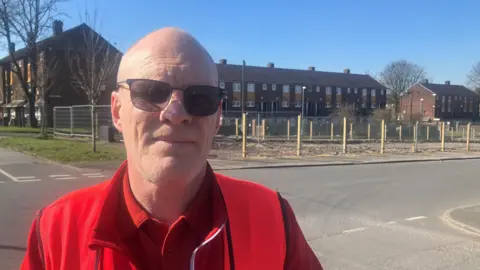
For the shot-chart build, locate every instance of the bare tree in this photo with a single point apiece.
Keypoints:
(47, 79)
(26, 21)
(92, 64)
(398, 76)
(473, 78)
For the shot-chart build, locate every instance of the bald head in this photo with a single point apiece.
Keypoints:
(170, 55)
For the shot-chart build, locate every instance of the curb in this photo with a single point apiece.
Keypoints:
(457, 225)
(340, 163)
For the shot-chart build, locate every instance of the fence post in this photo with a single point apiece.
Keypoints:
(351, 131)
(254, 127)
(428, 133)
(71, 121)
(263, 129)
(463, 133)
(344, 135)
(415, 137)
(299, 137)
(288, 129)
(451, 134)
(368, 131)
(236, 128)
(311, 130)
(382, 137)
(400, 133)
(473, 135)
(244, 135)
(468, 137)
(442, 137)
(331, 130)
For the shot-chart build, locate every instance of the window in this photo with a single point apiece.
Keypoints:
(339, 91)
(251, 87)
(364, 92)
(236, 87)
(286, 88)
(264, 86)
(443, 103)
(355, 91)
(373, 92)
(465, 104)
(298, 104)
(455, 97)
(348, 90)
(449, 108)
(236, 103)
(329, 90)
(318, 89)
(470, 107)
(285, 104)
(382, 92)
(221, 85)
(298, 89)
(251, 104)
(274, 87)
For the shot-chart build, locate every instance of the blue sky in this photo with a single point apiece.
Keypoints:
(443, 36)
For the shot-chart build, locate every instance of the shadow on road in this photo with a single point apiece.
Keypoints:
(13, 248)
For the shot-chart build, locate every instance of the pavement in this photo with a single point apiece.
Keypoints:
(375, 216)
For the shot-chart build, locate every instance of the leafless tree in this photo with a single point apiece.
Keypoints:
(47, 79)
(92, 64)
(26, 21)
(398, 76)
(473, 78)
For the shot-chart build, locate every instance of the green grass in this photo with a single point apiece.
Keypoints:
(65, 151)
(19, 129)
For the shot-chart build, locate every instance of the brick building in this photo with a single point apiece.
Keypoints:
(277, 91)
(430, 101)
(51, 51)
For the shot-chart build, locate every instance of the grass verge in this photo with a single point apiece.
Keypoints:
(19, 130)
(65, 151)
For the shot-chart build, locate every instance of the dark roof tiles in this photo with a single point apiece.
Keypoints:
(449, 89)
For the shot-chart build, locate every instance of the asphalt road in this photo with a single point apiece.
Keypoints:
(355, 217)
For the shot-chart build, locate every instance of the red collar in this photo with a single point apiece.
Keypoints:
(121, 215)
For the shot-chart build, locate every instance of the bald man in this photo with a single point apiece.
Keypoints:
(165, 208)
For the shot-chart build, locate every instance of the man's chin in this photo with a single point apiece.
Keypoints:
(157, 169)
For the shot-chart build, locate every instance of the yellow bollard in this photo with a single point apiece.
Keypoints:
(288, 130)
(311, 130)
(468, 137)
(344, 135)
(299, 137)
(442, 137)
(236, 128)
(368, 131)
(382, 138)
(244, 135)
(263, 129)
(331, 131)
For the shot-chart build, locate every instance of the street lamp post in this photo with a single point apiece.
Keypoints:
(242, 96)
(303, 106)
(421, 107)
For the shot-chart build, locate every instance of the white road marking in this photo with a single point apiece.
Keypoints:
(28, 180)
(59, 175)
(2, 182)
(91, 174)
(96, 176)
(355, 230)
(25, 177)
(65, 178)
(391, 222)
(9, 175)
(415, 218)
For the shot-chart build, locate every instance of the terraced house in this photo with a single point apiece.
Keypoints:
(280, 91)
(53, 73)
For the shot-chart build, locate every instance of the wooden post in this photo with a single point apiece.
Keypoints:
(311, 130)
(351, 131)
(331, 130)
(473, 134)
(254, 127)
(344, 135)
(400, 133)
(382, 138)
(368, 131)
(463, 133)
(263, 129)
(299, 137)
(451, 134)
(468, 137)
(244, 135)
(442, 137)
(288, 129)
(236, 128)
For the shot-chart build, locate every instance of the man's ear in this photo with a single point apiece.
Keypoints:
(116, 104)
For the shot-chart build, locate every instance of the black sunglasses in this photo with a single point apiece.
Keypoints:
(153, 96)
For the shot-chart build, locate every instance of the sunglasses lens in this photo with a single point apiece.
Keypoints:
(202, 100)
(149, 95)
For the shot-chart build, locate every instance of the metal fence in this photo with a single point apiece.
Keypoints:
(77, 120)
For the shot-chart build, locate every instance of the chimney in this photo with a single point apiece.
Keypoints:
(223, 61)
(447, 82)
(425, 81)
(57, 27)
(12, 47)
(312, 68)
(271, 65)
(346, 71)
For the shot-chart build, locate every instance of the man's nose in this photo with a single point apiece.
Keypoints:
(175, 112)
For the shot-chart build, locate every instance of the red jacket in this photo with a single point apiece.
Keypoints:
(68, 234)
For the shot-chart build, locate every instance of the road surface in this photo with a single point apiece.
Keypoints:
(355, 217)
